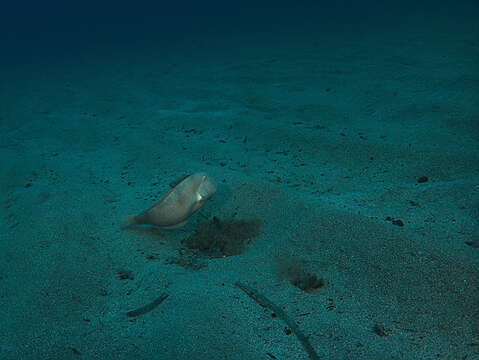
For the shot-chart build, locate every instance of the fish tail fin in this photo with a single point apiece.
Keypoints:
(127, 222)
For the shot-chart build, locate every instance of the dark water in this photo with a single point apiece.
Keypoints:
(34, 28)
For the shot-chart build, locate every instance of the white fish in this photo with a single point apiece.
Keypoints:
(176, 207)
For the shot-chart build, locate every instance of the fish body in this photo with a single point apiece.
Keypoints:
(175, 208)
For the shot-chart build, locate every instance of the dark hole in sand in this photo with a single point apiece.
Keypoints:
(295, 271)
(221, 238)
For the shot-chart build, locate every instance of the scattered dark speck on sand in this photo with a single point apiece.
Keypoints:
(124, 275)
(75, 351)
(473, 243)
(398, 222)
(381, 330)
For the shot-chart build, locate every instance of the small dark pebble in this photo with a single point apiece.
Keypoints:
(423, 179)
(473, 243)
(381, 330)
(394, 221)
(125, 275)
(75, 351)
(398, 222)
